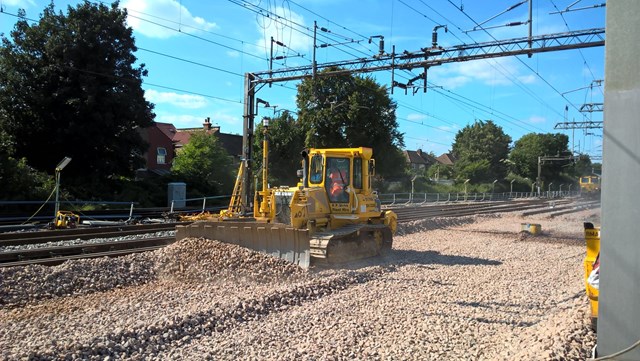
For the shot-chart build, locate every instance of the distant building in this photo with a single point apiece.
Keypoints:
(161, 151)
(165, 140)
(446, 159)
(419, 160)
(232, 143)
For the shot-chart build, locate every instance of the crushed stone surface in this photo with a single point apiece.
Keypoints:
(467, 288)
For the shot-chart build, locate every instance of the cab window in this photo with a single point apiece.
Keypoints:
(337, 179)
(357, 173)
(315, 174)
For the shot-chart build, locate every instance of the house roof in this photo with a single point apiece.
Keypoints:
(167, 128)
(446, 158)
(419, 157)
(232, 143)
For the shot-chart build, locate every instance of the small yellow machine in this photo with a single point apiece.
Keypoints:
(65, 219)
(332, 215)
(592, 238)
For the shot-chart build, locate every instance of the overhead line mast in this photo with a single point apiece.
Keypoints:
(423, 58)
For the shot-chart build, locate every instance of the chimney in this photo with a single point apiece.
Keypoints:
(207, 124)
(419, 151)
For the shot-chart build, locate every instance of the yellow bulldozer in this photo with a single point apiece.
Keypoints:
(331, 216)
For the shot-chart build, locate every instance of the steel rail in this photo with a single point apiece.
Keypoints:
(59, 254)
(16, 239)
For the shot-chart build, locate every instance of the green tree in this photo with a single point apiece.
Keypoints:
(440, 171)
(527, 150)
(481, 150)
(350, 111)
(286, 141)
(69, 86)
(584, 165)
(205, 166)
(19, 181)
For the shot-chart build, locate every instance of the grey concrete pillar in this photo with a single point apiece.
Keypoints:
(619, 300)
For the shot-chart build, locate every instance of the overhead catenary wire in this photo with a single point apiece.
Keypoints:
(504, 71)
(579, 50)
(520, 60)
(322, 36)
(457, 100)
(490, 112)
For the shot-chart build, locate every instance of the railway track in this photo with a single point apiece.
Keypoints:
(58, 254)
(412, 213)
(58, 246)
(46, 248)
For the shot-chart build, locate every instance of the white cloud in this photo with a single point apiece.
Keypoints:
(233, 54)
(451, 82)
(181, 120)
(271, 27)
(527, 79)
(416, 117)
(500, 71)
(187, 101)
(170, 13)
(537, 119)
(447, 128)
(228, 123)
(19, 3)
(221, 117)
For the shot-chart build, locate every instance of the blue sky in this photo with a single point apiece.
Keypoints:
(197, 52)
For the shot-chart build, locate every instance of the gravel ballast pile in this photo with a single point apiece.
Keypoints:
(463, 288)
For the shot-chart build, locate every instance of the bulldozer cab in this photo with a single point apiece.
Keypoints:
(343, 173)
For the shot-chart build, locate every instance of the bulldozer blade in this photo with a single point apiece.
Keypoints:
(277, 240)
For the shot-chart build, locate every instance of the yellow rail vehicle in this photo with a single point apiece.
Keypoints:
(590, 184)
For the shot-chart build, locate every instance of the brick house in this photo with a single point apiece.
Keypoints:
(165, 140)
(232, 143)
(161, 151)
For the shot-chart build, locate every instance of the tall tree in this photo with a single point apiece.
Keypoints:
(205, 166)
(286, 141)
(530, 147)
(69, 86)
(584, 165)
(481, 150)
(351, 111)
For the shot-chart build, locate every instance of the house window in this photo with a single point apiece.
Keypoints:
(161, 155)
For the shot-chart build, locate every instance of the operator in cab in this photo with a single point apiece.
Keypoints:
(339, 180)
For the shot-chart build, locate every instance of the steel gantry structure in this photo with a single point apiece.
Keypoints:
(406, 60)
(579, 125)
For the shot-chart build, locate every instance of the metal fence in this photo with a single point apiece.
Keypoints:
(391, 199)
